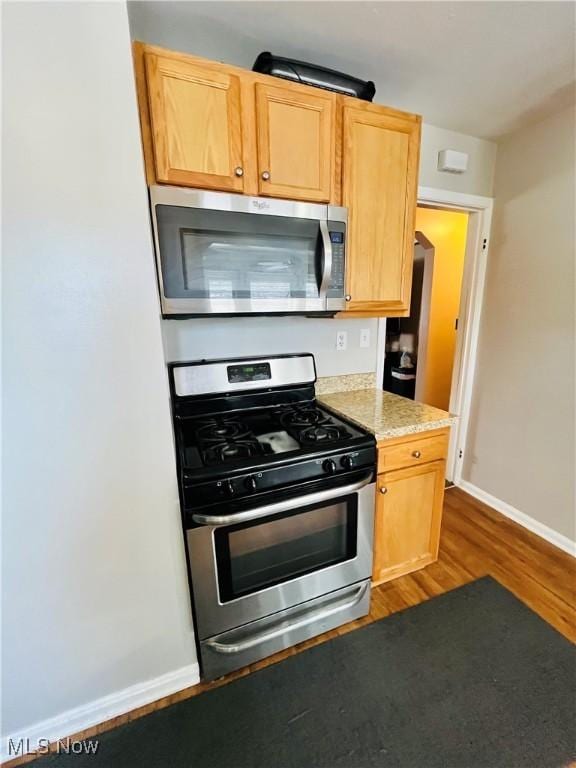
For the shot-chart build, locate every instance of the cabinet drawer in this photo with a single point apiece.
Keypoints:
(412, 450)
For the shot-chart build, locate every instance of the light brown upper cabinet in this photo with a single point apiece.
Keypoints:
(196, 127)
(296, 142)
(379, 188)
(212, 126)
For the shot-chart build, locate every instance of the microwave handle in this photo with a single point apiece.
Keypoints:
(326, 258)
(282, 506)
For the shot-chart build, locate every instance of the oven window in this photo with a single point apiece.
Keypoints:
(257, 555)
(227, 255)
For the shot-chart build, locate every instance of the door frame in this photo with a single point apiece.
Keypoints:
(425, 303)
(479, 209)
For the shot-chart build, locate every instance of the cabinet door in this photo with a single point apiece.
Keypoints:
(296, 142)
(379, 187)
(196, 123)
(408, 517)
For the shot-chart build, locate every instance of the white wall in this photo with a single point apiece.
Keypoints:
(478, 179)
(225, 337)
(95, 596)
(521, 438)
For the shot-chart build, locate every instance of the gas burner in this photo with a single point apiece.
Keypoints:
(303, 417)
(231, 450)
(322, 434)
(222, 439)
(220, 429)
(311, 426)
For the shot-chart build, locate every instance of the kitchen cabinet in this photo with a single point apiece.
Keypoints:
(211, 126)
(296, 142)
(195, 124)
(409, 503)
(379, 188)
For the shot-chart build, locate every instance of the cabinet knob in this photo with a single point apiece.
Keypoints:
(416, 454)
(239, 171)
(348, 297)
(383, 489)
(266, 175)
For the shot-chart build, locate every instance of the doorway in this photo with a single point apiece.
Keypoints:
(456, 333)
(420, 349)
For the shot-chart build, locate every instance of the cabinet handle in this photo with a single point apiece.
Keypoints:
(239, 171)
(383, 489)
(416, 454)
(348, 297)
(266, 175)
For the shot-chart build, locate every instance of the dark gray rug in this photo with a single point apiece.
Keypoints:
(471, 678)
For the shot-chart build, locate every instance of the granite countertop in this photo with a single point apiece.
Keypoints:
(384, 414)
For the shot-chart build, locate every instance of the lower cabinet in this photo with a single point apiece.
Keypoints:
(408, 519)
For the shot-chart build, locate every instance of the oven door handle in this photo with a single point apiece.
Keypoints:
(326, 259)
(282, 506)
(286, 626)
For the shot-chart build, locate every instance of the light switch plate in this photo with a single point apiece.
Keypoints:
(341, 340)
(365, 337)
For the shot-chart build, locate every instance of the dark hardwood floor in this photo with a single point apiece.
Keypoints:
(476, 541)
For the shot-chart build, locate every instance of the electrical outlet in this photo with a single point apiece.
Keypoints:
(341, 340)
(365, 337)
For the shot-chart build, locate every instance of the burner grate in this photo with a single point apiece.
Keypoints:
(322, 434)
(231, 450)
(303, 417)
(220, 429)
(221, 439)
(311, 426)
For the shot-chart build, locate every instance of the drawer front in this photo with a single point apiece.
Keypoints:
(407, 453)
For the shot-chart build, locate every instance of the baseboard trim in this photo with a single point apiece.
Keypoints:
(100, 710)
(535, 526)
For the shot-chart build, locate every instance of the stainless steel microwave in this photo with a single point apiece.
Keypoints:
(220, 253)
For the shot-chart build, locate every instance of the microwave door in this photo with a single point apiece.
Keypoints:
(216, 255)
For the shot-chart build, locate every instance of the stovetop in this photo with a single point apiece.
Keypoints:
(243, 442)
(230, 438)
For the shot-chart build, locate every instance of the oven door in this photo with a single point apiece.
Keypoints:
(251, 564)
(222, 254)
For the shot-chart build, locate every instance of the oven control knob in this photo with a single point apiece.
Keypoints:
(250, 483)
(347, 462)
(329, 467)
(230, 490)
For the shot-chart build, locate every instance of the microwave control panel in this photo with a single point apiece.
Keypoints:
(338, 239)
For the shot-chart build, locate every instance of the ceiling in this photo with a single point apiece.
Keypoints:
(482, 68)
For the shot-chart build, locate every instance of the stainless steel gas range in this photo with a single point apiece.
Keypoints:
(277, 498)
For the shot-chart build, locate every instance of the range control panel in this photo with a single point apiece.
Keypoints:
(249, 484)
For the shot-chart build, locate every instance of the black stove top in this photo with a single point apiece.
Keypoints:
(224, 439)
(235, 443)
